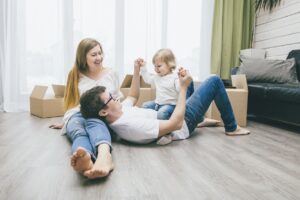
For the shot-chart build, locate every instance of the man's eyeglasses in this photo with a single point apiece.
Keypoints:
(110, 98)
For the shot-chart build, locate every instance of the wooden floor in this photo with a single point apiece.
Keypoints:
(34, 164)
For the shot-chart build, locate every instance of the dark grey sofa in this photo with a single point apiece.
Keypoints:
(276, 101)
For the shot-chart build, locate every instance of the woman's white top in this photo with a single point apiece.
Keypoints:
(110, 80)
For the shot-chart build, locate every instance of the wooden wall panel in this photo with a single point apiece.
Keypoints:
(278, 32)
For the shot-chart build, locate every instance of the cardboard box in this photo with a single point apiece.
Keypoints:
(47, 106)
(238, 98)
(146, 92)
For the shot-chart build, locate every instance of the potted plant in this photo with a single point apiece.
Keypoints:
(266, 4)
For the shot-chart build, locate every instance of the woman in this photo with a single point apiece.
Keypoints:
(91, 140)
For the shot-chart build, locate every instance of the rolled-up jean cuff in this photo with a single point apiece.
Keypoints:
(231, 127)
(93, 156)
(104, 142)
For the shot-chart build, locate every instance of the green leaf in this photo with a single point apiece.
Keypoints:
(266, 4)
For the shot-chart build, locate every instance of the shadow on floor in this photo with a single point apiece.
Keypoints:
(277, 124)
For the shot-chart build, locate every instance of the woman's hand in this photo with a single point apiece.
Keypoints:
(138, 63)
(56, 126)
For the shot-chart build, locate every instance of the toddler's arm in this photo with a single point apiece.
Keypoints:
(148, 78)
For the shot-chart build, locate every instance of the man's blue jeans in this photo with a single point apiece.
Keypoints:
(87, 133)
(212, 89)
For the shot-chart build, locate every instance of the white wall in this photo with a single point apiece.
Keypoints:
(278, 32)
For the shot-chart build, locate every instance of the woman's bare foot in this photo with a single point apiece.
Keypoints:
(81, 160)
(103, 165)
(238, 131)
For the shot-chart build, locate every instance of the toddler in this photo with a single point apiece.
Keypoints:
(166, 83)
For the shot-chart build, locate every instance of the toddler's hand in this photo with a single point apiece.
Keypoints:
(181, 72)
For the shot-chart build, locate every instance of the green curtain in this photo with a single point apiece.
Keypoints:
(233, 25)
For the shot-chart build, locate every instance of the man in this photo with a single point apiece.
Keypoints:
(141, 125)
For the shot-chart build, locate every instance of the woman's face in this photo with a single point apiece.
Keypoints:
(94, 58)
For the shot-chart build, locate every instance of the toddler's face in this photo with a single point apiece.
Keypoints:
(161, 68)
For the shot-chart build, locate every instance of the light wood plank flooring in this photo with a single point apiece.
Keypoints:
(34, 164)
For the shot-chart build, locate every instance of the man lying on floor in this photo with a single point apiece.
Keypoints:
(141, 125)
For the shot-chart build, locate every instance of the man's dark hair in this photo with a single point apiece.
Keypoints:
(91, 103)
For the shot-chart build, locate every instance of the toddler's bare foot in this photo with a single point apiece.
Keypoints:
(102, 167)
(238, 131)
(81, 160)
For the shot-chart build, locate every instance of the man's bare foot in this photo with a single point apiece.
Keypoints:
(207, 122)
(81, 160)
(238, 131)
(102, 167)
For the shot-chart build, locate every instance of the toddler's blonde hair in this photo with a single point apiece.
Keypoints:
(166, 56)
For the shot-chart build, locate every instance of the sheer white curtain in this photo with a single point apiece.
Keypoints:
(142, 31)
(12, 54)
(32, 46)
(39, 38)
(2, 47)
(181, 25)
(96, 19)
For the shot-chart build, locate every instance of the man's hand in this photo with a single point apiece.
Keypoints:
(177, 118)
(138, 63)
(185, 77)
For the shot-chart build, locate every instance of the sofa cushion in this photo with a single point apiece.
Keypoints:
(296, 54)
(284, 92)
(287, 92)
(258, 90)
(271, 71)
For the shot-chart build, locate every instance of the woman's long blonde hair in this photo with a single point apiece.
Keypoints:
(72, 96)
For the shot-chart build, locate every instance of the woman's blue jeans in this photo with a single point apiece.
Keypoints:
(212, 89)
(87, 133)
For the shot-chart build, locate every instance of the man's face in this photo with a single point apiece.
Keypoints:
(111, 103)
